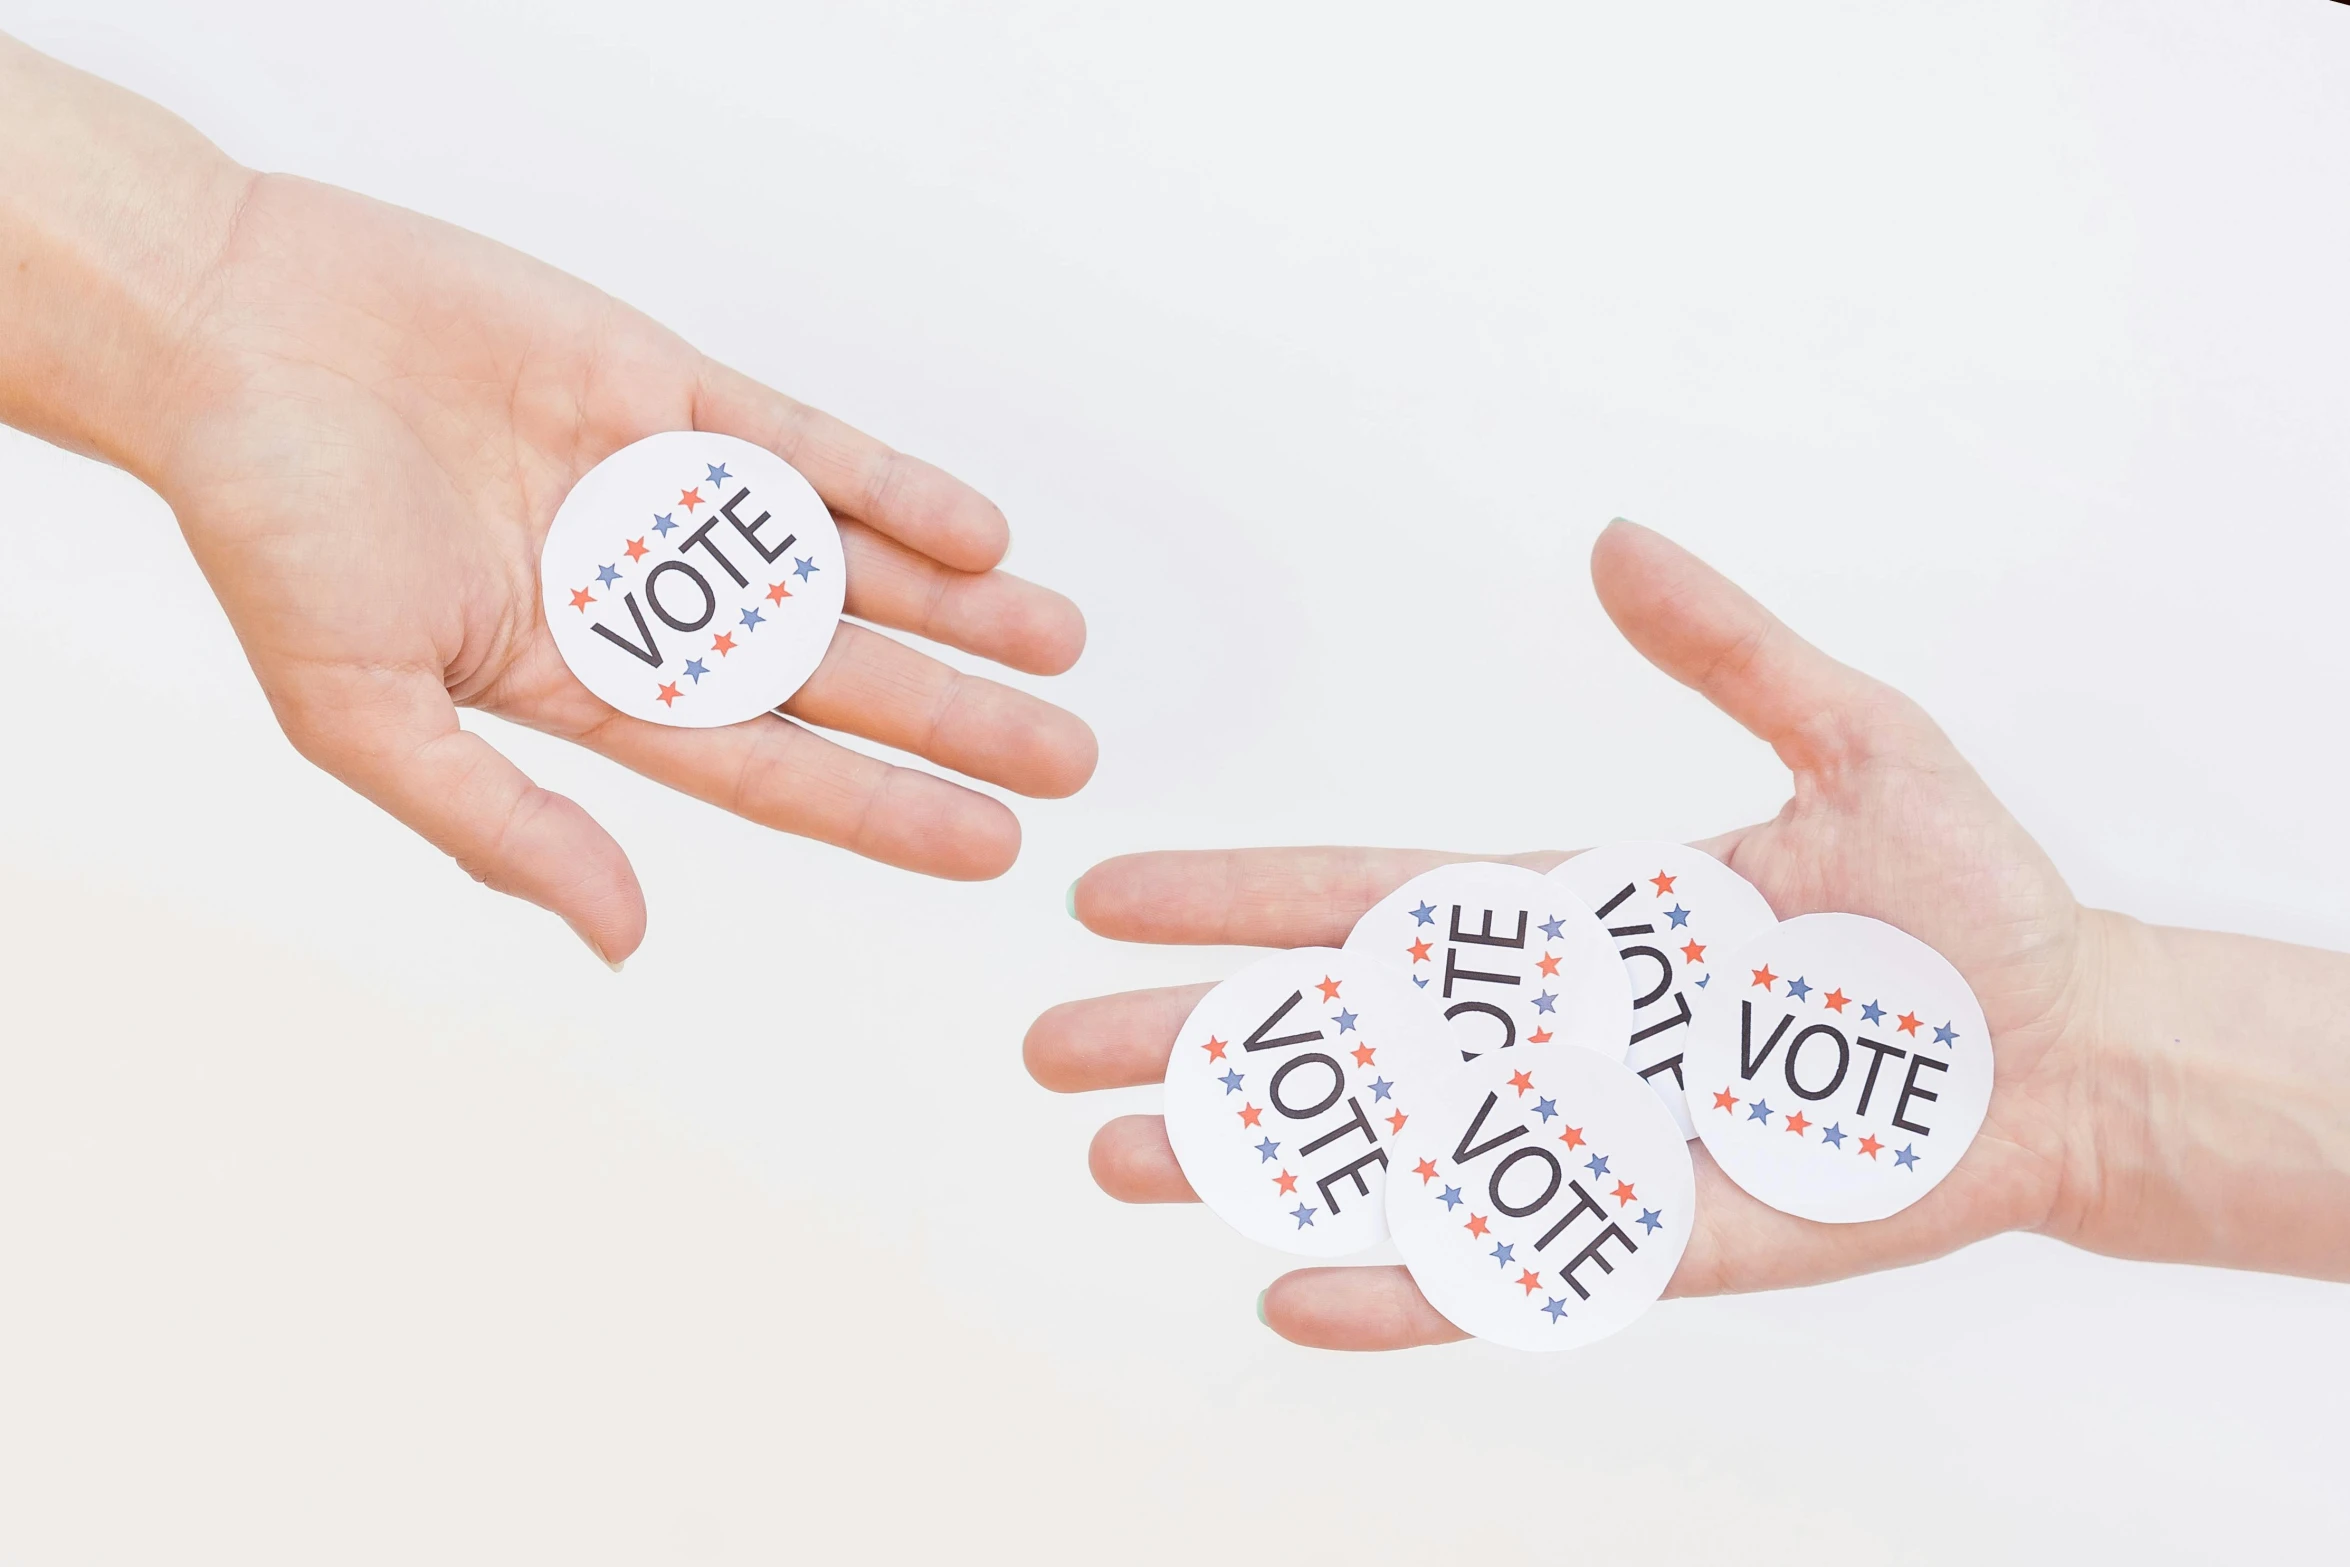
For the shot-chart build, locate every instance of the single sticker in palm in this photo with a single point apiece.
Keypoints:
(1839, 1069)
(692, 580)
(1672, 911)
(1543, 1198)
(1287, 1086)
(1507, 955)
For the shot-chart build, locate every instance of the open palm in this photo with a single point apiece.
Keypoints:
(1887, 820)
(382, 414)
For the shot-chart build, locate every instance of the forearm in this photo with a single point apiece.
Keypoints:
(2218, 1097)
(110, 212)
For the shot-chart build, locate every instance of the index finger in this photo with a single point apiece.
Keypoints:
(1253, 897)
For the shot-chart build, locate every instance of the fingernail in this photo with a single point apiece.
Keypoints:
(590, 942)
(614, 967)
(1070, 903)
(1261, 1294)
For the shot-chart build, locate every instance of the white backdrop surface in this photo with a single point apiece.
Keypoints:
(350, 1213)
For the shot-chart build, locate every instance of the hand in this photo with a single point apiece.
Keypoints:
(1887, 820)
(368, 423)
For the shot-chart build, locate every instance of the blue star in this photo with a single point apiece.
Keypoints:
(1450, 1197)
(1231, 1082)
(1556, 1307)
(1417, 980)
(1945, 1035)
(1380, 1087)
(606, 575)
(1797, 988)
(662, 524)
(1552, 927)
(751, 618)
(1345, 1021)
(1906, 1159)
(1303, 1215)
(1759, 1111)
(1596, 1164)
(696, 668)
(1266, 1150)
(1425, 914)
(1501, 1254)
(1546, 1108)
(718, 475)
(1833, 1136)
(1704, 980)
(804, 569)
(1678, 915)
(1651, 1220)
(1872, 1013)
(1546, 1002)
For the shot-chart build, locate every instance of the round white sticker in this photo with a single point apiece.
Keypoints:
(1509, 957)
(1543, 1199)
(1839, 1068)
(1288, 1085)
(693, 580)
(1671, 910)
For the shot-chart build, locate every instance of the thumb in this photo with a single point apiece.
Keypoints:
(1706, 632)
(393, 735)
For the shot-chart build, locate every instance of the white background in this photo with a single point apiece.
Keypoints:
(350, 1213)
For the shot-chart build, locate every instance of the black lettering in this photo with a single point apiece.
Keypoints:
(1361, 1123)
(1664, 974)
(750, 533)
(1519, 1211)
(701, 536)
(1362, 1187)
(1878, 1053)
(1462, 1153)
(649, 653)
(1488, 938)
(1612, 904)
(653, 596)
(1584, 1203)
(1669, 1063)
(1654, 1029)
(1258, 1041)
(1748, 1064)
(1843, 1061)
(1910, 1090)
(1452, 973)
(1337, 1086)
(1509, 1026)
(1590, 1253)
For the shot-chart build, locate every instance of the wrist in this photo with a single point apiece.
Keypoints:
(111, 214)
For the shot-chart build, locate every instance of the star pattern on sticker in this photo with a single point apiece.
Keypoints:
(1251, 1115)
(1597, 1165)
(696, 668)
(1835, 1000)
(581, 598)
(1798, 989)
(1364, 1054)
(1945, 1035)
(662, 524)
(1419, 951)
(689, 499)
(1540, 1036)
(1546, 1108)
(1760, 1110)
(1623, 1194)
(1870, 1012)
(1287, 1183)
(1725, 1100)
(1906, 1023)
(1546, 1002)
(1833, 1134)
(1529, 1281)
(1556, 1307)
(1345, 1021)
(1797, 1124)
(1380, 1089)
(1231, 1081)
(1425, 1170)
(1329, 988)
(722, 644)
(1662, 883)
(1869, 1146)
(751, 619)
(1214, 1047)
(1678, 915)
(607, 575)
(1397, 1120)
(635, 550)
(1907, 1158)
(1764, 978)
(777, 592)
(1303, 1215)
(1693, 953)
(1521, 1081)
(667, 696)
(1476, 1224)
(1503, 1254)
(804, 569)
(718, 474)
(1549, 964)
(1425, 914)
(1652, 1219)
(1267, 1149)
(1450, 1197)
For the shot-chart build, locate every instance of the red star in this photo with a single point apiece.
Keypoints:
(1328, 988)
(1549, 964)
(1363, 1054)
(1476, 1224)
(1797, 1124)
(1834, 1000)
(777, 592)
(1662, 883)
(636, 549)
(689, 499)
(1906, 1023)
(1425, 1170)
(667, 696)
(1869, 1146)
(1529, 1281)
(1572, 1137)
(723, 643)
(1419, 951)
(1725, 1100)
(1693, 953)
(581, 598)
(1540, 1036)
(1764, 977)
(1623, 1193)
(1397, 1120)
(1521, 1081)
(1249, 1115)
(1214, 1047)
(1287, 1182)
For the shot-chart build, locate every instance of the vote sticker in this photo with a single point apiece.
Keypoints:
(1838, 1068)
(1289, 1083)
(1507, 955)
(1671, 910)
(692, 580)
(1543, 1198)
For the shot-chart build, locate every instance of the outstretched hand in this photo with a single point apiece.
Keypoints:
(1886, 820)
(368, 425)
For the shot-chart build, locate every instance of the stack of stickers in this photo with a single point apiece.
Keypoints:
(1501, 1070)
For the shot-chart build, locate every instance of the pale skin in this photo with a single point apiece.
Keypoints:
(2164, 1094)
(364, 421)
